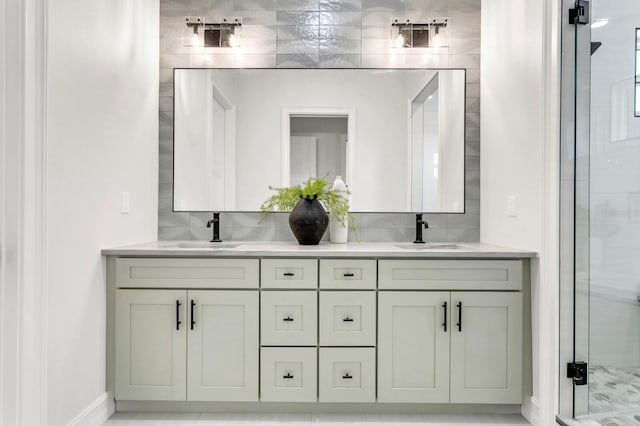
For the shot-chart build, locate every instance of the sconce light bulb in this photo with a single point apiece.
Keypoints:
(234, 40)
(195, 39)
(399, 41)
(437, 40)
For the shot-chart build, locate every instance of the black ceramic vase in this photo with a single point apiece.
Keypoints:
(308, 221)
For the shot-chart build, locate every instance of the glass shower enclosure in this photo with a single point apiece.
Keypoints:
(600, 214)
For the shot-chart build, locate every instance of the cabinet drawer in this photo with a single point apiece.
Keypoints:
(289, 318)
(450, 274)
(192, 273)
(288, 374)
(347, 375)
(347, 318)
(289, 273)
(348, 274)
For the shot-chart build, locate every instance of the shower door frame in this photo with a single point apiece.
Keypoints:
(575, 272)
(574, 179)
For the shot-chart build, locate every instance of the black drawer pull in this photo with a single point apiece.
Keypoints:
(178, 322)
(193, 317)
(288, 376)
(347, 319)
(288, 319)
(288, 274)
(347, 376)
(347, 274)
(459, 324)
(444, 324)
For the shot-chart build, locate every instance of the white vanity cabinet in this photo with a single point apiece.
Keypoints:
(186, 344)
(318, 330)
(457, 346)
(196, 345)
(426, 354)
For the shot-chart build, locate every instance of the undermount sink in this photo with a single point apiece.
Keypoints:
(435, 246)
(201, 245)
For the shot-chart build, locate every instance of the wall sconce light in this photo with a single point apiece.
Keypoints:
(218, 34)
(410, 34)
(194, 25)
(438, 28)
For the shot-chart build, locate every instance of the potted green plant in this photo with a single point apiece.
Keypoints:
(309, 204)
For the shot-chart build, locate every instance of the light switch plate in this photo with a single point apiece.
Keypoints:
(512, 207)
(125, 207)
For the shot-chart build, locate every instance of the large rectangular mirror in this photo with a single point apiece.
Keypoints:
(396, 136)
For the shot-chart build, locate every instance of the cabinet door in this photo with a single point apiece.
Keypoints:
(223, 346)
(151, 338)
(413, 346)
(486, 347)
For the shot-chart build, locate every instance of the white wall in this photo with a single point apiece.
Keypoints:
(102, 130)
(512, 139)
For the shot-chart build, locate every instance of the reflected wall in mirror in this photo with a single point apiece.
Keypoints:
(317, 147)
(396, 136)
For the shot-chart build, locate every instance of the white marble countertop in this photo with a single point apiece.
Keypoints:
(293, 249)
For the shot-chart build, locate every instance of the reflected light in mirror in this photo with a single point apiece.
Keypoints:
(195, 38)
(599, 23)
(399, 41)
(234, 40)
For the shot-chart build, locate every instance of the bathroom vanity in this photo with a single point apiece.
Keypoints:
(357, 323)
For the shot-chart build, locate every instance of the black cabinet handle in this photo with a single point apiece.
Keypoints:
(459, 324)
(347, 319)
(347, 376)
(444, 324)
(288, 319)
(288, 376)
(193, 320)
(178, 322)
(347, 274)
(288, 274)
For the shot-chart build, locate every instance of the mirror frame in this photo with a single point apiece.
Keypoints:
(464, 148)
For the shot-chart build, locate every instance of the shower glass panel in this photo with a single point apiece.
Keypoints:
(605, 184)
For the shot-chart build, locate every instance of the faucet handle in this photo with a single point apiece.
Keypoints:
(420, 221)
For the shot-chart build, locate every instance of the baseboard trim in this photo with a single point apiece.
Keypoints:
(531, 410)
(313, 407)
(97, 412)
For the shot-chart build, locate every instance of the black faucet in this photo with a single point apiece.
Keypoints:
(419, 223)
(216, 227)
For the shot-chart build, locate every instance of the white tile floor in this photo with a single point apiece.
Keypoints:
(205, 419)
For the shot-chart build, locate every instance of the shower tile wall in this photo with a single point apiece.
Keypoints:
(321, 34)
(614, 191)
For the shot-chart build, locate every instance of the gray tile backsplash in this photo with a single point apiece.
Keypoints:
(321, 34)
